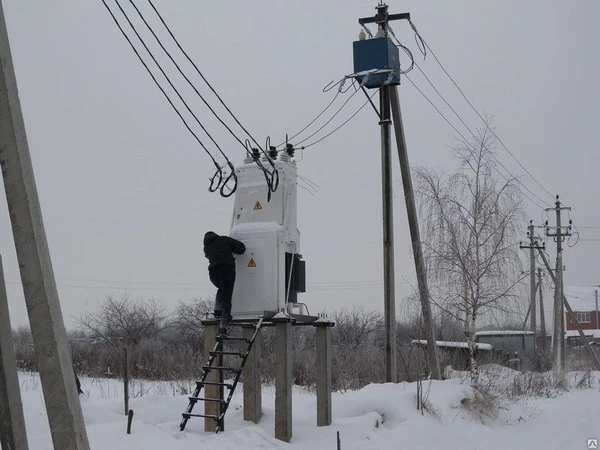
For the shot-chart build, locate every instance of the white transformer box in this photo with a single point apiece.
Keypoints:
(270, 273)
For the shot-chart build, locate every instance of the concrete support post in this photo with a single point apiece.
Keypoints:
(283, 380)
(324, 416)
(212, 408)
(39, 286)
(12, 423)
(252, 379)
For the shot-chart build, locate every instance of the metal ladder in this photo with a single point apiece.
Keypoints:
(217, 352)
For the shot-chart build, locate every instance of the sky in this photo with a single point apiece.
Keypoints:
(123, 185)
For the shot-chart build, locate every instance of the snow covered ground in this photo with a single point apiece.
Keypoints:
(379, 416)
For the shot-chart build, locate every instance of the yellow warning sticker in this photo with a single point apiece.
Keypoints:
(257, 206)
(251, 263)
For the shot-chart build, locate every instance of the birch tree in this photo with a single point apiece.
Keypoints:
(470, 221)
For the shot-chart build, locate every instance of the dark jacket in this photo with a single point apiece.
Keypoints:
(219, 250)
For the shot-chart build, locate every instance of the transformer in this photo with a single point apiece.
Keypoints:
(373, 54)
(271, 272)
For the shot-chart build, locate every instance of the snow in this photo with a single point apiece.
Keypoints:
(574, 333)
(379, 416)
(503, 333)
(453, 344)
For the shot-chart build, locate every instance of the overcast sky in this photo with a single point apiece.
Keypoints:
(123, 186)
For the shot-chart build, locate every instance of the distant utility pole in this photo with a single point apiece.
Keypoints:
(533, 245)
(542, 315)
(558, 336)
(388, 98)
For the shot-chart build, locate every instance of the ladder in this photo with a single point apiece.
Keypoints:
(216, 354)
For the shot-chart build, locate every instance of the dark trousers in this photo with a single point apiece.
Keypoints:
(223, 278)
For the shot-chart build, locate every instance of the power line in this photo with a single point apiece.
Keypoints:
(480, 116)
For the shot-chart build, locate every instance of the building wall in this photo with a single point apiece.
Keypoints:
(591, 325)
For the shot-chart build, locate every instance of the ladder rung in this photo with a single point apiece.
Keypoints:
(232, 338)
(226, 353)
(196, 399)
(208, 416)
(233, 369)
(214, 383)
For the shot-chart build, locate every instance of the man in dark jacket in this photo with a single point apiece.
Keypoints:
(221, 270)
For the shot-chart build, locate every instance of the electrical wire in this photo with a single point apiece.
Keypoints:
(218, 174)
(479, 114)
(343, 123)
(466, 142)
(200, 73)
(465, 125)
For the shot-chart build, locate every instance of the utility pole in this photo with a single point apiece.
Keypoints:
(558, 336)
(39, 286)
(388, 98)
(584, 339)
(542, 315)
(597, 324)
(533, 245)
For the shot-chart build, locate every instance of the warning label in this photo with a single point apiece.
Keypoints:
(257, 206)
(251, 263)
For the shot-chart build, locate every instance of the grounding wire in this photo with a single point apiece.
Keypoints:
(201, 75)
(328, 121)
(479, 114)
(465, 141)
(232, 175)
(212, 187)
(342, 124)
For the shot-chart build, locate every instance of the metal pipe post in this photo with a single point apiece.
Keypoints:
(413, 223)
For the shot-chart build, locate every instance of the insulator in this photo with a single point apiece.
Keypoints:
(362, 35)
(289, 149)
(273, 152)
(255, 154)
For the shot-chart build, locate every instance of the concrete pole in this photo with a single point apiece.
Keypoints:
(126, 380)
(415, 235)
(39, 286)
(584, 339)
(13, 435)
(558, 335)
(389, 284)
(542, 315)
(283, 380)
(324, 415)
(597, 323)
(252, 379)
(210, 391)
(532, 244)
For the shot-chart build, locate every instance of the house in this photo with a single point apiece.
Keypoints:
(584, 303)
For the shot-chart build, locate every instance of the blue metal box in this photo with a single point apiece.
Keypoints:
(377, 53)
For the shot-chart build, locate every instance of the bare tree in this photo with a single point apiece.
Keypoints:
(125, 320)
(470, 221)
(188, 319)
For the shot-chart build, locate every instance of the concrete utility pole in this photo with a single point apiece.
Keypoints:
(388, 97)
(12, 422)
(584, 339)
(542, 315)
(533, 245)
(39, 286)
(558, 336)
(597, 323)
(413, 224)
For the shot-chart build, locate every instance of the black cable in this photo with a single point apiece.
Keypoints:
(232, 175)
(219, 173)
(344, 123)
(481, 117)
(200, 73)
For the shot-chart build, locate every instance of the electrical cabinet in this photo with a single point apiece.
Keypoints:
(378, 53)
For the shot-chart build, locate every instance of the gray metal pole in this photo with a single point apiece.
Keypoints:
(39, 286)
(13, 435)
(389, 296)
(413, 223)
(532, 278)
(597, 324)
(587, 345)
(126, 380)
